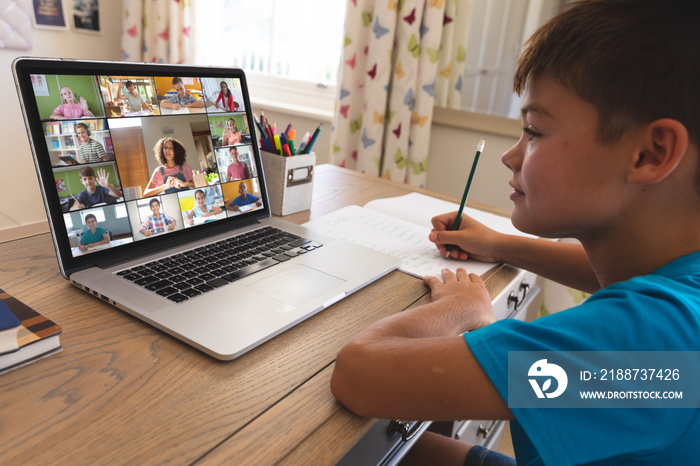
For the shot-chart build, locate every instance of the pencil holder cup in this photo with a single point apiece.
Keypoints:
(289, 181)
(200, 180)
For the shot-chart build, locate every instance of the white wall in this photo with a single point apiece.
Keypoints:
(452, 152)
(20, 197)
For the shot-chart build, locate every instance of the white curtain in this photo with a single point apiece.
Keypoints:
(158, 31)
(394, 52)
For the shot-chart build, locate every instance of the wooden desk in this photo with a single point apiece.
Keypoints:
(122, 392)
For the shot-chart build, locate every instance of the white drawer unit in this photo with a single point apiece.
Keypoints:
(389, 440)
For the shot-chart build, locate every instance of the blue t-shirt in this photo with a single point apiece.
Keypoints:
(240, 202)
(89, 237)
(99, 196)
(655, 312)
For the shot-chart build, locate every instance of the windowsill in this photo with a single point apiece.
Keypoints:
(281, 106)
(305, 99)
(498, 125)
(317, 102)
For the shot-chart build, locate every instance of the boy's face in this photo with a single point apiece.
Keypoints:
(82, 134)
(88, 182)
(180, 89)
(155, 208)
(565, 183)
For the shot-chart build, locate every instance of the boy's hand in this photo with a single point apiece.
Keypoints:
(103, 177)
(473, 240)
(463, 292)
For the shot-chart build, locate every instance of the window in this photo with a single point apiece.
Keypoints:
(120, 210)
(98, 213)
(295, 45)
(496, 30)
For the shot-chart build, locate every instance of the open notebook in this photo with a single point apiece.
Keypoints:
(400, 226)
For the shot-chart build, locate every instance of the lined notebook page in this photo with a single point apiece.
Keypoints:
(419, 209)
(400, 226)
(390, 235)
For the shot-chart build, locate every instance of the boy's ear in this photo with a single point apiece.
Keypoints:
(664, 144)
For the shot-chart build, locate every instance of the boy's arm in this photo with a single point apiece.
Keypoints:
(165, 103)
(146, 227)
(564, 263)
(105, 239)
(196, 104)
(416, 365)
(114, 192)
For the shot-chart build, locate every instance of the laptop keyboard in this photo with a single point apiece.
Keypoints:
(192, 273)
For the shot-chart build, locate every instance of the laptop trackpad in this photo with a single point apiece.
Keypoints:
(297, 285)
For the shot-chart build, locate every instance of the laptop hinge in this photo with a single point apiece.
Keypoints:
(141, 253)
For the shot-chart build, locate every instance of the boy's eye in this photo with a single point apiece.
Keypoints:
(531, 134)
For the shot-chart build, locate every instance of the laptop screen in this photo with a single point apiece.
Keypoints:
(134, 153)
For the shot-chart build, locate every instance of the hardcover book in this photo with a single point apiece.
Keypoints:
(37, 336)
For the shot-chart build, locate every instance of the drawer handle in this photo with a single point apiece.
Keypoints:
(524, 287)
(485, 431)
(516, 299)
(403, 428)
(513, 298)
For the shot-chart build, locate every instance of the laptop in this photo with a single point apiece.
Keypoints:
(150, 212)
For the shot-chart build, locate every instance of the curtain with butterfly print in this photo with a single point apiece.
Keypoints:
(158, 31)
(391, 58)
(453, 54)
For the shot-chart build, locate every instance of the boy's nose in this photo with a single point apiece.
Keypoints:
(511, 158)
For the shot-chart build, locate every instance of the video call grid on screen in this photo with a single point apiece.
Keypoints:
(102, 133)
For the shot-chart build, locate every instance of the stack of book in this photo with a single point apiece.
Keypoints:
(25, 335)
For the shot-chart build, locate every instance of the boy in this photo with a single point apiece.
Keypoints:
(93, 194)
(236, 170)
(158, 222)
(182, 99)
(244, 199)
(94, 235)
(608, 155)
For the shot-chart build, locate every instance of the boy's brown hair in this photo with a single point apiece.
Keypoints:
(635, 61)
(86, 171)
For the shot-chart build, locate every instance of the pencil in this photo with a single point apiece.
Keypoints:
(312, 141)
(458, 220)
